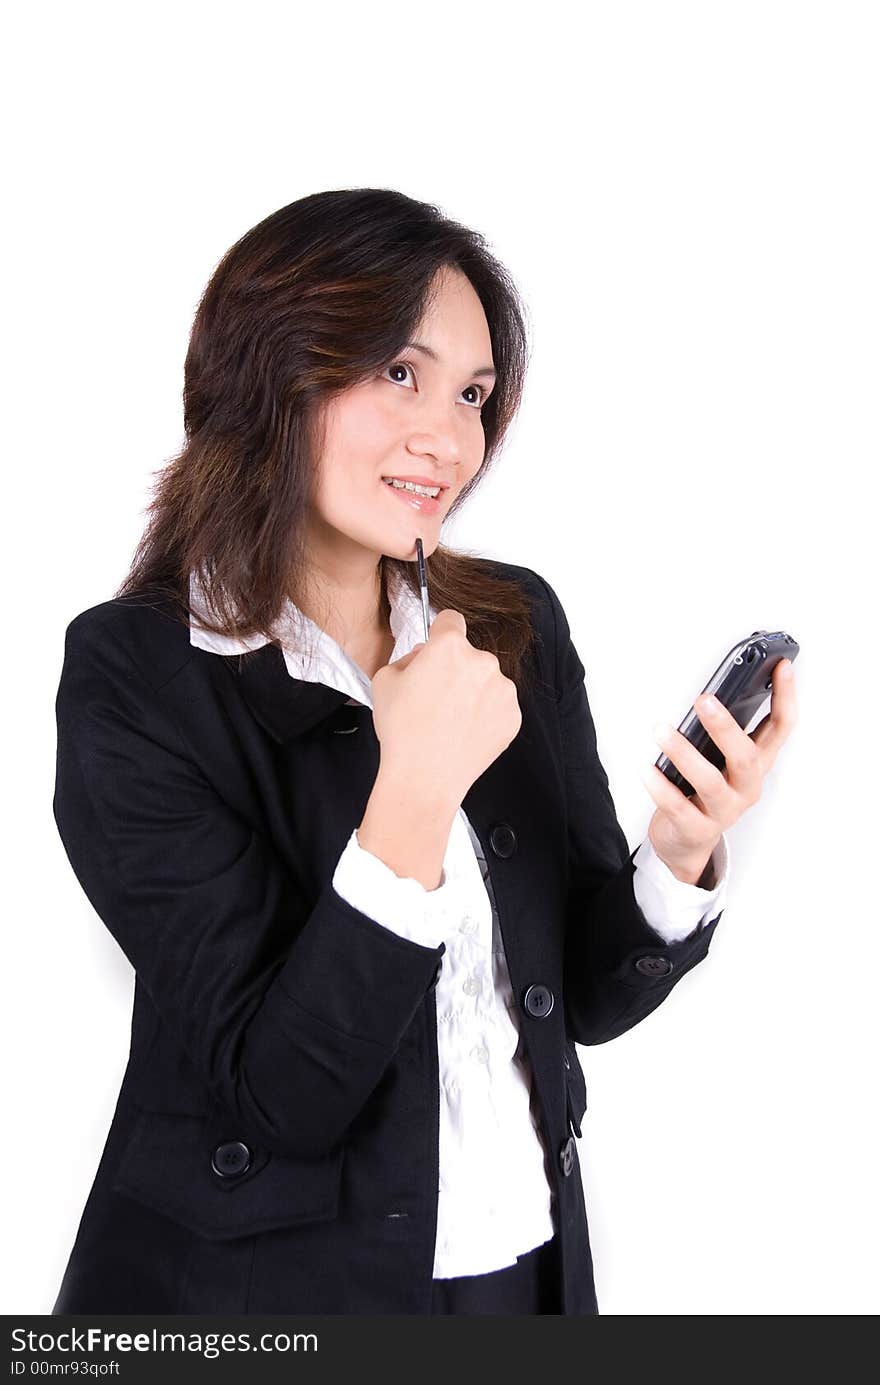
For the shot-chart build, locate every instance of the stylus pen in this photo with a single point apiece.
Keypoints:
(423, 583)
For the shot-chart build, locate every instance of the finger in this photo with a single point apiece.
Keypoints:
(707, 779)
(670, 799)
(772, 732)
(744, 765)
(449, 619)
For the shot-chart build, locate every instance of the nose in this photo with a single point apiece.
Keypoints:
(438, 436)
(440, 444)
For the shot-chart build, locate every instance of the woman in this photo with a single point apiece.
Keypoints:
(373, 886)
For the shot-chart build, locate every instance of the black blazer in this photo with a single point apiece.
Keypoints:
(274, 1147)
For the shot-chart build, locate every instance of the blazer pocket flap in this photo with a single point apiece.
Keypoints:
(576, 1090)
(223, 1188)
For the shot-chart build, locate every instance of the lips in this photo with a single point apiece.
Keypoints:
(423, 504)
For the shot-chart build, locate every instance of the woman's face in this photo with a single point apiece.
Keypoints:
(420, 419)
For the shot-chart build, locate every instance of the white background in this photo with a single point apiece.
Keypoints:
(686, 195)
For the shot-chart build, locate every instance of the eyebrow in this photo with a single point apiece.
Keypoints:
(429, 351)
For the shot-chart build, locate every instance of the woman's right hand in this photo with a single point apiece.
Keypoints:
(444, 711)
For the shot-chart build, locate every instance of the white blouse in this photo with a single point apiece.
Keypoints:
(489, 1211)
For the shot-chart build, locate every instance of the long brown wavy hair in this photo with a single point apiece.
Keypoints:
(316, 298)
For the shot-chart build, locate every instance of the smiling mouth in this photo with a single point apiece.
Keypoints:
(429, 492)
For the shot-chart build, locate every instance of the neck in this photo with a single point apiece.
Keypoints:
(351, 606)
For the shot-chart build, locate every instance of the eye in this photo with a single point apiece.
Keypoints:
(399, 365)
(483, 392)
(405, 365)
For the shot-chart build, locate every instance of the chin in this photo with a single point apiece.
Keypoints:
(403, 555)
(406, 552)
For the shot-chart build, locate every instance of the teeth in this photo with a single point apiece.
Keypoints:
(411, 486)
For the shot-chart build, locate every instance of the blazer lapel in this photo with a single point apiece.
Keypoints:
(285, 706)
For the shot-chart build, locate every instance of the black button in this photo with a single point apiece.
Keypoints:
(566, 1156)
(566, 1062)
(538, 1001)
(654, 966)
(231, 1159)
(502, 840)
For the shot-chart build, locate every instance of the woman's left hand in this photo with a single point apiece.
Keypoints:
(685, 831)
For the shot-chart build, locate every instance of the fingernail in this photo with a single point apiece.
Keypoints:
(787, 669)
(710, 705)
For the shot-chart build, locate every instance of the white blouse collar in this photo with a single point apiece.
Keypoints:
(309, 652)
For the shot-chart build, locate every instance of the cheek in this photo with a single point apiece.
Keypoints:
(358, 435)
(360, 427)
(476, 455)
(357, 442)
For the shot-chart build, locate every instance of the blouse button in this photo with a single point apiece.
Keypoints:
(471, 986)
(468, 925)
(481, 1053)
